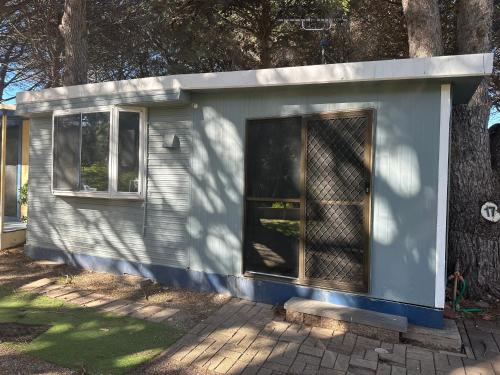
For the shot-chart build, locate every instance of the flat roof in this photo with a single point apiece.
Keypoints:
(444, 68)
(8, 109)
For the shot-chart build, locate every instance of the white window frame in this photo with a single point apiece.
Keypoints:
(112, 192)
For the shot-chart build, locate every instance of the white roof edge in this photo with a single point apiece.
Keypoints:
(8, 107)
(439, 67)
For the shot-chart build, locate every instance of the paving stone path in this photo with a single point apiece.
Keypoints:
(48, 287)
(245, 337)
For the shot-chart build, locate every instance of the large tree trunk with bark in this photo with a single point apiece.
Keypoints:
(264, 32)
(473, 242)
(424, 27)
(73, 29)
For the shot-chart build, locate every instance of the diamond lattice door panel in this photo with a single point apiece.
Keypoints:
(337, 200)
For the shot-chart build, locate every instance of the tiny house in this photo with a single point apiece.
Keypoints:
(328, 182)
(13, 175)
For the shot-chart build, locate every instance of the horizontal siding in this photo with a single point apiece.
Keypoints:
(153, 232)
(193, 213)
(405, 176)
(168, 198)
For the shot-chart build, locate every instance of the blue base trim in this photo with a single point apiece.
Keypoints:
(272, 292)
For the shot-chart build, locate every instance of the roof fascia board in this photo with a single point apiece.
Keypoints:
(166, 97)
(441, 67)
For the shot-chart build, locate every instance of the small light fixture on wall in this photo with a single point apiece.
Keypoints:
(171, 140)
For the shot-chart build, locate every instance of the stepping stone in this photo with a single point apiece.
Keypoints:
(483, 344)
(74, 295)
(37, 284)
(385, 327)
(128, 309)
(49, 262)
(160, 316)
(83, 301)
(115, 305)
(48, 288)
(487, 326)
(447, 338)
(59, 292)
(100, 302)
(146, 312)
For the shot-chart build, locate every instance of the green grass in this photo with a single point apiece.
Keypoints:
(289, 228)
(85, 338)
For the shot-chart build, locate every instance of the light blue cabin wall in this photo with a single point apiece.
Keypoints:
(117, 229)
(403, 241)
(194, 208)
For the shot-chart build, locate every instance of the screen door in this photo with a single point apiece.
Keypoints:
(337, 183)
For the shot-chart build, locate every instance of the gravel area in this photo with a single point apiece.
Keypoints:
(14, 363)
(162, 366)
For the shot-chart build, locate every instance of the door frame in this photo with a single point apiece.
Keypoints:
(367, 199)
(370, 113)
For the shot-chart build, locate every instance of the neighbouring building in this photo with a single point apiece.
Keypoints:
(14, 154)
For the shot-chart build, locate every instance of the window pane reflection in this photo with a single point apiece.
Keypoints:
(128, 151)
(272, 237)
(95, 152)
(273, 158)
(66, 152)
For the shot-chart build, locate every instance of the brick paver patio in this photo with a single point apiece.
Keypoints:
(245, 337)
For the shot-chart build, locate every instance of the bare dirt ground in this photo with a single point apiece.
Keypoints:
(17, 270)
(15, 363)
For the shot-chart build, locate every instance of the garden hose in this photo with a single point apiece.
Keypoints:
(460, 296)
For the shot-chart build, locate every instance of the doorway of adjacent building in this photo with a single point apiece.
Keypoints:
(308, 199)
(12, 170)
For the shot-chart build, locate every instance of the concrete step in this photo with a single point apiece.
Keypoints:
(385, 327)
(447, 338)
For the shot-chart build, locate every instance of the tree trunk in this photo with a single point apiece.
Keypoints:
(73, 29)
(473, 242)
(264, 32)
(424, 27)
(474, 23)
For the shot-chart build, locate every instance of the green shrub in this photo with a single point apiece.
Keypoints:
(23, 198)
(96, 176)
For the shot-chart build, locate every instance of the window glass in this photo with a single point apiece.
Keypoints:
(128, 151)
(66, 152)
(272, 212)
(273, 158)
(83, 156)
(272, 237)
(95, 151)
